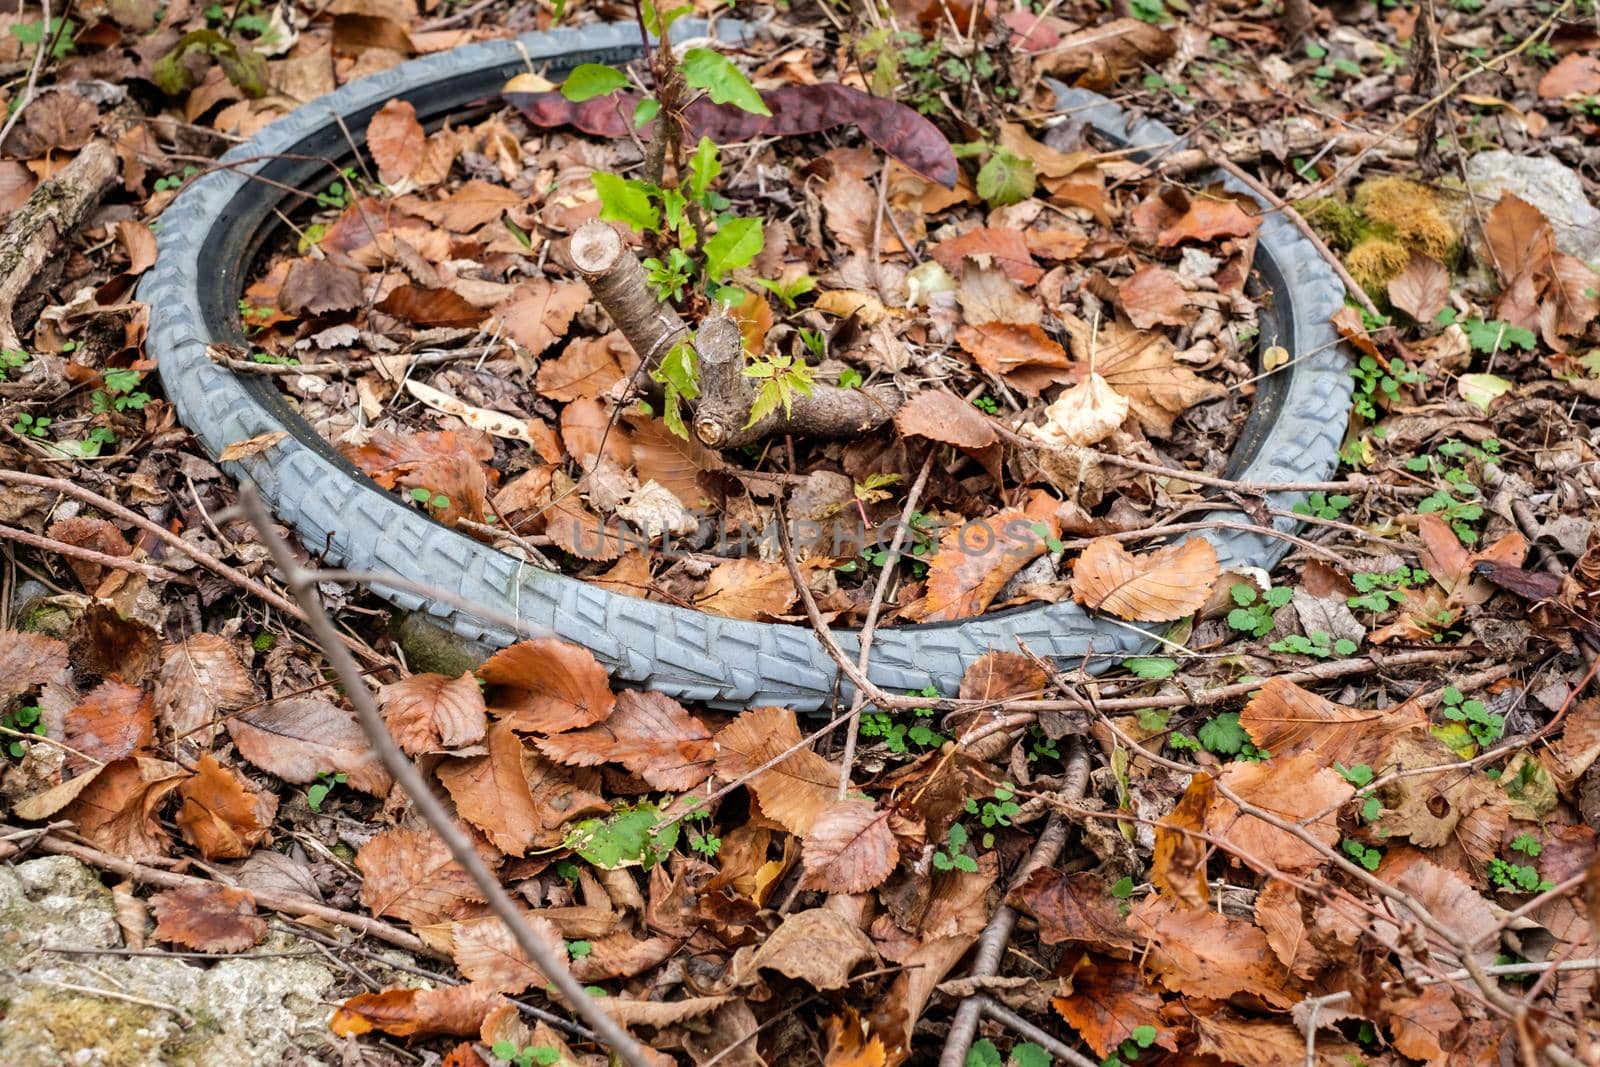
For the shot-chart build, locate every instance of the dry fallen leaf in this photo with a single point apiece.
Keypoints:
(433, 712)
(850, 848)
(298, 738)
(1023, 354)
(116, 811)
(487, 953)
(1159, 586)
(1142, 367)
(539, 312)
(396, 140)
(1201, 953)
(940, 415)
(199, 678)
(112, 721)
(1109, 997)
(1085, 414)
(221, 815)
(547, 685)
(1178, 864)
(798, 788)
(27, 660)
(208, 917)
(251, 446)
(457, 1011)
(1296, 790)
(408, 874)
(494, 423)
(492, 791)
(976, 559)
(650, 734)
(1422, 290)
(819, 947)
(749, 589)
(1005, 248)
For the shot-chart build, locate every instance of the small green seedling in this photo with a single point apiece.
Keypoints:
(31, 425)
(1486, 728)
(1363, 854)
(1256, 610)
(27, 719)
(326, 782)
(1319, 645)
(954, 856)
(527, 1056)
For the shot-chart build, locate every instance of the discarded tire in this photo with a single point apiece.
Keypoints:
(216, 226)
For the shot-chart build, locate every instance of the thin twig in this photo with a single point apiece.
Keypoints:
(869, 627)
(302, 584)
(46, 39)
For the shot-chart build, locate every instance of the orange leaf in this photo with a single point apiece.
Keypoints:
(433, 712)
(199, 678)
(1296, 790)
(1153, 296)
(539, 312)
(650, 734)
(1201, 953)
(661, 456)
(208, 917)
(113, 721)
(850, 848)
(221, 816)
(795, 790)
(408, 874)
(1142, 366)
(747, 588)
(997, 676)
(1178, 867)
(430, 307)
(1021, 353)
(547, 685)
(976, 559)
(116, 811)
(28, 660)
(491, 791)
(1286, 720)
(1160, 586)
(587, 368)
(396, 140)
(457, 1011)
(1577, 74)
(1006, 248)
(472, 205)
(1078, 908)
(1422, 290)
(487, 953)
(1109, 998)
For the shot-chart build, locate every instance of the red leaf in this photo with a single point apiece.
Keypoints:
(796, 109)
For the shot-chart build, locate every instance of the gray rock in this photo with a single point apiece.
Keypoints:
(1548, 185)
(237, 1012)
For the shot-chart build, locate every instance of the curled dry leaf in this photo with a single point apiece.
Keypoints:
(1108, 999)
(1286, 720)
(997, 676)
(199, 678)
(97, 535)
(1159, 586)
(747, 588)
(1260, 1042)
(221, 815)
(208, 917)
(1021, 353)
(102, 644)
(975, 560)
(650, 734)
(408, 874)
(492, 791)
(1153, 296)
(1005, 248)
(819, 947)
(547, 685)
(433, 712)
(487, 953)
(456, 1011)
(27, 660)
(1178, 865)
(396, 140)
(850, 848)
(1085, 414)
(1142, 366)
(794, 791)
(1198, 952)
(423, 306)
(251, 446)
(299, 738)
(116, 810)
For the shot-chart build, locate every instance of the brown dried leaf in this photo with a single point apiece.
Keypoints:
(796, 790)
(472, 205)
(408, 874)
(676, 463)
(299, 738)
(387, 457)
(221, 815)
(433, 712)
(112, 721)
(547, 685)
(539, 312)
(1295, 790)
(492, 791)
(487, 953)
(747, 588)
(430, 307)
(1077, 908)
(98, 535)
(1142, 367)
(457, 1011)
(1422, 290)
(1178, 866)
(1023, 354)
(1153, 296)
(1200, 953)
(587, 368)
(1260, 1043)
(940, 415)
(976, 560)
(997, 676)
(819, 947)
(1285, 720)
(1159, 586)
(1422, 1022)
(396, 140)
(650, 734)
(1108, 998)
(1279, 915)
(116, 812)
(208, 917)
(850, 848)
(1204, 219)
(1004, 248)
(200, 677)
(102, 644)
(318, 286)
(1578, 74)
(28, 660)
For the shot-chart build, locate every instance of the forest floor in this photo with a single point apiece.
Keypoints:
(1345, 812)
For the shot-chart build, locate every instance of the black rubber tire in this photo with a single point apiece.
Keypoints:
(211, 232)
